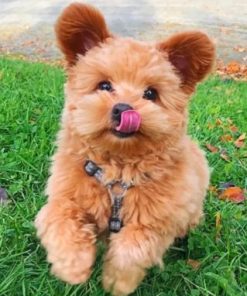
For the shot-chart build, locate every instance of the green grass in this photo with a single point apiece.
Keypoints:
(31, 99)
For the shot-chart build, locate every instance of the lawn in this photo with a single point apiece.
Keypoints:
(31, 99)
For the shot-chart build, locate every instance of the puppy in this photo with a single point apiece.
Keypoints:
(124, 162)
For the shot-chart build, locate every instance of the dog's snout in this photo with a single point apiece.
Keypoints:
(118, 109)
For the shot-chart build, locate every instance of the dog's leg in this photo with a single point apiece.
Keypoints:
(69, 240)
(131, 252)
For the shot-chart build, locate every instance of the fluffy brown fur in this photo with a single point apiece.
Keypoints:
(169, 172)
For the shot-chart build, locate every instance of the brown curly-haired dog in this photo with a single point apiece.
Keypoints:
(125, 111)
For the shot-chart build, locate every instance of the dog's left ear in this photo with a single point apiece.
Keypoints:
(79, 28)
(192, 54)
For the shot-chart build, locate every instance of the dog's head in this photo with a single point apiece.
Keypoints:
(125, 94)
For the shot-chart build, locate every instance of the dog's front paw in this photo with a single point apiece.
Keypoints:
(121, 282)
(73, 268)
(70, 245)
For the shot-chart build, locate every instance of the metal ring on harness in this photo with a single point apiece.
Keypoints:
(117, 189)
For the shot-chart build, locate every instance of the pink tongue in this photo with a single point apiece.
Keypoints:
(130, 122)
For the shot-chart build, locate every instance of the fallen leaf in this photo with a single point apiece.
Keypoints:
(233, 67)
(244, 70)
(233, 128)
(218, 121)
(223, 155)
(212, 189)
(226, 138)
(233, 194)
(240, 141)
(212, 148)
(233, 70)
(240, 48)
(195, 264)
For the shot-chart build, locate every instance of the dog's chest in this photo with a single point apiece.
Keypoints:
(116, 196)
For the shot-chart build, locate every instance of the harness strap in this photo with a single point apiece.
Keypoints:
(115, 222)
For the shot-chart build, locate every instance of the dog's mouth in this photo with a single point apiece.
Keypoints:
(122, 134)
(128, 124)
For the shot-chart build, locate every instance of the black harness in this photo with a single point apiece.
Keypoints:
(117, 190)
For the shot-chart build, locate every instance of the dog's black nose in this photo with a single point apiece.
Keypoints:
(118, 109)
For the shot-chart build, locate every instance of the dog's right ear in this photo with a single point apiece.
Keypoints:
(79, 28)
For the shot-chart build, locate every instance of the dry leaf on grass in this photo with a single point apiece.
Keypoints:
(240, 141)
(226, 138)
(218, 121)
(213, 189)
(212, 148)
(234, 194)
(195, 264)
(233, 128)
(223, 155)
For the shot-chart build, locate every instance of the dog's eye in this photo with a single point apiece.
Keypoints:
(105, 85)
(150, 94)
